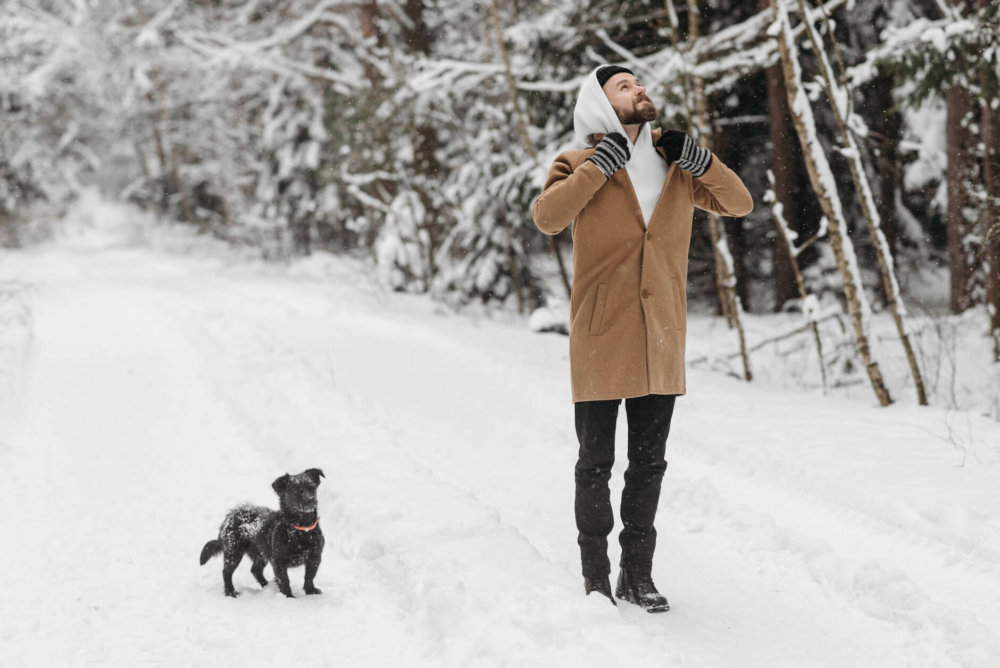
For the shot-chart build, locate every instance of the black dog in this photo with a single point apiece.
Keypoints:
(285, 538)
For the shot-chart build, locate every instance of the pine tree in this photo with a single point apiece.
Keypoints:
(955, 51)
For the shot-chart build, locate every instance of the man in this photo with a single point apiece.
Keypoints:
(631, 233)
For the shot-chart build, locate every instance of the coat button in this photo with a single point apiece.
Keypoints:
(645, 293)
(649, 236)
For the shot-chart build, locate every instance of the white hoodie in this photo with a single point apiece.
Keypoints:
(647, 170)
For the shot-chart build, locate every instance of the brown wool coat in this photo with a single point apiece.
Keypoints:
(628, 309)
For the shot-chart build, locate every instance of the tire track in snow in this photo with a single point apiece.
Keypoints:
(967, 539)
(888, 596)
(783, 512)
(434, 549)
(121, 443)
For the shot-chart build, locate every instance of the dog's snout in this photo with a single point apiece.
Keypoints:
(304, 497)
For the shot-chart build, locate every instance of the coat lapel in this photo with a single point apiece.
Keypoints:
(671, 174)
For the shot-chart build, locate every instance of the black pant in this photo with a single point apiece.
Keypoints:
(648, 427)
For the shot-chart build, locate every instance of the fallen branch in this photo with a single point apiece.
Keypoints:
(774, 339)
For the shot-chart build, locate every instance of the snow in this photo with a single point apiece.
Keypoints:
(151, 381)
(553, 317)
(930, 143)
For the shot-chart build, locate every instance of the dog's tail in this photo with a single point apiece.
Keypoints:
(212, 548)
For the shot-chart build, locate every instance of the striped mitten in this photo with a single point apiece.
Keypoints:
(680, 148)
(611, 153)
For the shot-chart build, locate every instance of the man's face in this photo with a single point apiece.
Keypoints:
(628, 99)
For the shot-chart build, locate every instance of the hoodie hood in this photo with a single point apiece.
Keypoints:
(594, 114)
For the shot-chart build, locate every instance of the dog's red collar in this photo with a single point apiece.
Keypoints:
(308, 528)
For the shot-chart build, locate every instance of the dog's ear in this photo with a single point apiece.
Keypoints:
(315, 474)
(281, 483)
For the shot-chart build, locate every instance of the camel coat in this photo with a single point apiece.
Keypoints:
(628, 309)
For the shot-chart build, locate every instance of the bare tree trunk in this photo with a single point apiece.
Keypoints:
(786, 168)
(695, 123)
(961, 164)
(993, 282)
(782, 162)
(158, 145)
(169, 171)
(700, 124)
(788, 236)
(169, 168)
(372, 36)
(515, 272)
(991, 180)
(990, 110)
(961, 175)
(140, 157)
(419, 38)
(698, 120)
(522, 127)
(724, 263)
(825, 186)
(888, 131)
(839, 98)
(368, 18)
(791, 182)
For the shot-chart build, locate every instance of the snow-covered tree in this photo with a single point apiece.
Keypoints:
(233, 100)
(952, 53)
(418, 133)
(58, 105)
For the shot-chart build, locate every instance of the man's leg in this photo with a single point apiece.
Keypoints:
(595, 429)
(648, 427)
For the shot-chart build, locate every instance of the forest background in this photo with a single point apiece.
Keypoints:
(417, 134)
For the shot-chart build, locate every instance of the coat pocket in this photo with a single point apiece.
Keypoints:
(597, 319)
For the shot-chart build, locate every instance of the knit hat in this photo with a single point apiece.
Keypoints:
(605, 72)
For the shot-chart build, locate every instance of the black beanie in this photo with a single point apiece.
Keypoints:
(605, 72)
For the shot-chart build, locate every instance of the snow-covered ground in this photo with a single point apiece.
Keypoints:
(144, 391)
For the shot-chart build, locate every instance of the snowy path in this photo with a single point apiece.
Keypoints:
(158, 391)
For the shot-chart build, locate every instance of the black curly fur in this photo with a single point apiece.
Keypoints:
(270, 536)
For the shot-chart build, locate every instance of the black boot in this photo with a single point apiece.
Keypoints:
(638, 588)
(600, 585)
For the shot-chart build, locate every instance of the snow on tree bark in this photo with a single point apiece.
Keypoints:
(826, 190)
(990, 111)
(696, 108)
(846, 119)
(962, 212)
(788, 237)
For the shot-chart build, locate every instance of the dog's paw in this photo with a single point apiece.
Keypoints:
(312, 591)
(233, 594)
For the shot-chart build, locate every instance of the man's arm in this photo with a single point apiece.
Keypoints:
(721, 191)
(565, 194)
(716, 188)
(567, 190)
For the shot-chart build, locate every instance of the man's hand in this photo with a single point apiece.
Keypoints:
(611, 153)
(678, 147)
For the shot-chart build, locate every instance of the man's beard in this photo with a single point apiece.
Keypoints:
(639, 115)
